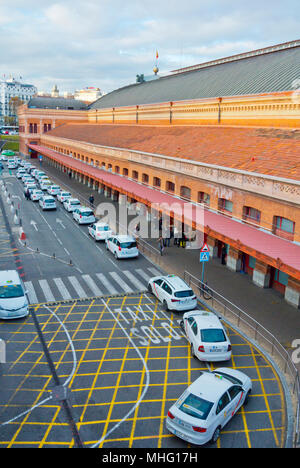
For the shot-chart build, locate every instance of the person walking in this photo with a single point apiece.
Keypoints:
(161, 245)
(91, 200)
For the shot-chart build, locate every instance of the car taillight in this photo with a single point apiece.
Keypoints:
(229, 347)
(201, 349)
(80, 216)
(175, 300)
(199, 429)
(171, 416)
(119, 249)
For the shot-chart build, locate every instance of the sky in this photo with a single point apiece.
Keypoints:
(106, 43)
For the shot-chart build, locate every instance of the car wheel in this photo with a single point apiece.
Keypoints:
(216, 435)
(246, 401)
(192, 350)
(165, 305)
(116, 256)
(182, 326)
(149, 287)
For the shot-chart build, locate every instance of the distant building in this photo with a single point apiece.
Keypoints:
(55, 91)
(9, 89)
(89, 94)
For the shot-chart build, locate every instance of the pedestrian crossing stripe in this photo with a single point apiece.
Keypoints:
(85, 286)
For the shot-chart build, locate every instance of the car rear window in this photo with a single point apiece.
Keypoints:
(49, 201)
(195, 406)
(231, 379)
(212, 335)
(10, 291)
(127, 245)
(87, 213)
(103, 228)
(187, 293)
(75, 203)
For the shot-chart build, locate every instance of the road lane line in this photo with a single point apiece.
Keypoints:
(76, 285)
(120, 282)
(154, 271)
(134, 280)
(46, 291)
(110, 288)
(143, 274)
(62, 288)
(31, 292)
(92, 285)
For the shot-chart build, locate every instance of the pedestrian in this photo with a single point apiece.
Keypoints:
(27, 194)
(91, 200)
(224, 255)
(70, 175)
(161, 245)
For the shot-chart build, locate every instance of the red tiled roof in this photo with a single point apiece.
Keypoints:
(266, 151)
(267, 244)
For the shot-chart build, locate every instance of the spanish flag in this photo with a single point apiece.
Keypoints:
(156, 55)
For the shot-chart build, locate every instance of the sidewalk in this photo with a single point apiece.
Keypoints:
(264, 305)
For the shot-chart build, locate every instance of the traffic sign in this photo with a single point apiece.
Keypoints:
(204, 256)
(205, 248)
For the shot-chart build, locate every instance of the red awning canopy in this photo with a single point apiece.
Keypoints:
(256, 240)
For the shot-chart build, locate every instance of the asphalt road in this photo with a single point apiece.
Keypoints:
(130, 359)
(61, 261)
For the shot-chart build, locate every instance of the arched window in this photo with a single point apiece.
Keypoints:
(185, 192)
(170, 186)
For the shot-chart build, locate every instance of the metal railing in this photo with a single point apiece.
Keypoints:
(256, 331)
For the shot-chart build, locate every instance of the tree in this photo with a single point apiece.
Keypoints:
(14, 103)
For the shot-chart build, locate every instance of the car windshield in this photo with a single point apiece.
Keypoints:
(128, 245)
(87, 213)
(212, 335)
(188, 293)
(65, 194)
(75, 203)
(10, 291)
(194, 406)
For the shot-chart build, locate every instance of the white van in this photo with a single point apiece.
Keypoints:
(13, 297)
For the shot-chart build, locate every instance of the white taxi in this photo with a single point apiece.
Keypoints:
(206, 335)
(62, 196)
(36, 194)
(29, 186)
(47, 202)
(71, 204)
(173, 292)
(26, 177)
(20, 173)
(99, 231)
(122, 246)
(53, 189)
(209, 403)
(44, 184)
(84, 215)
